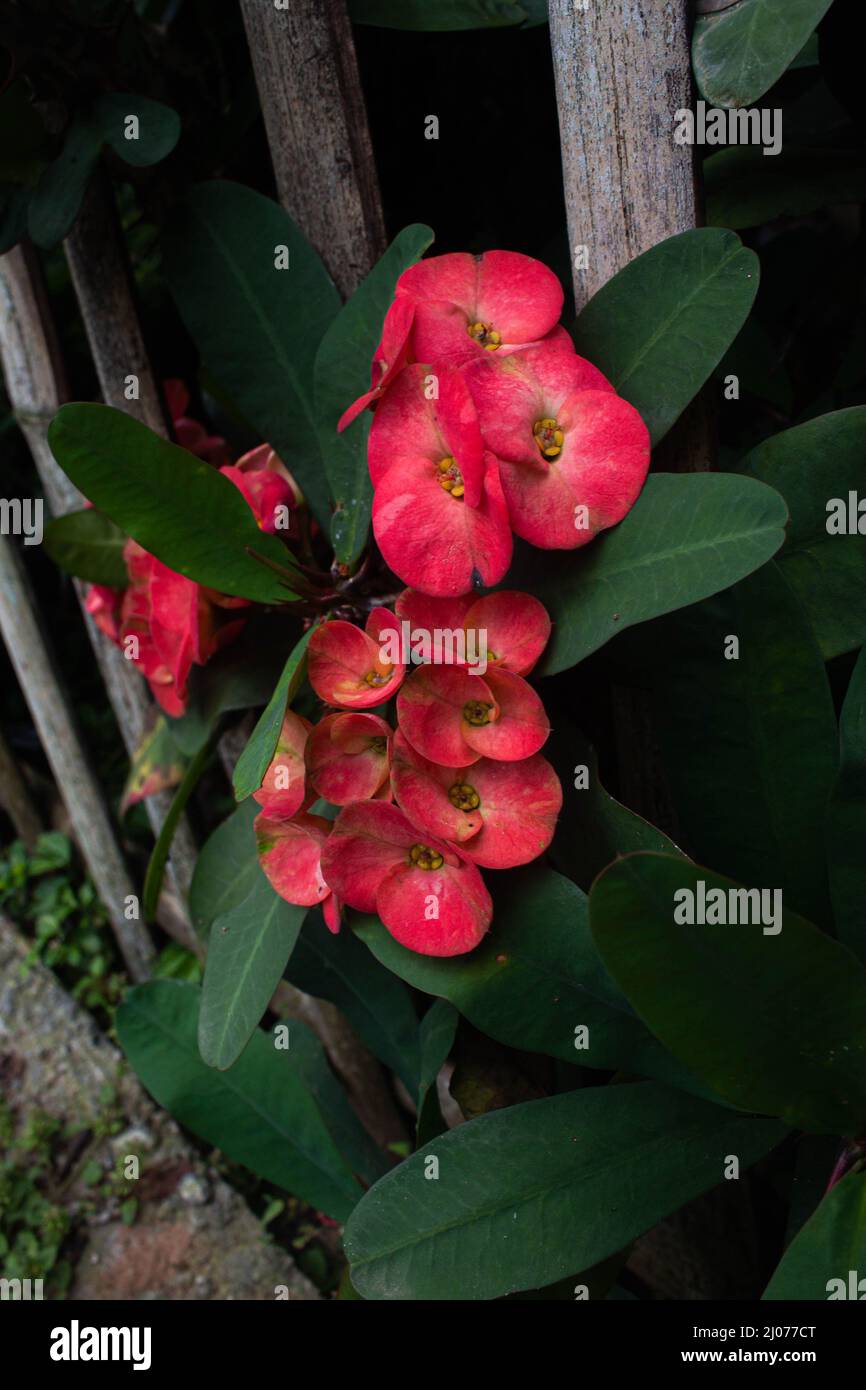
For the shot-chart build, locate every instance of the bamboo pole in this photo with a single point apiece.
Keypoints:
(316, 123)
(37, 386)
(622, 69)
(51, 711)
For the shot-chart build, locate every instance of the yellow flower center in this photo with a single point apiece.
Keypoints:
(464, 797)
(379, 744)
(549, 437)
(484, 335)
(477, 712)
(375, 677)
(450, 477)
(425, 858)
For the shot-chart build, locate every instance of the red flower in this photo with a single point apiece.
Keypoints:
(573, 456)
(390, 357)
(427, 894)
(348, 758)
(266, 484)
(455, 718)
(428, 534)
(345, 665)
(173, 625)
(103, 605)
(290, 853)
(283, 790)
(506, 629)
(189, 433)
(409, 423)
(501, 814)
(467, 306)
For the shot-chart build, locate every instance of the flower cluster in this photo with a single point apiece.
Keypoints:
(459, 785)
(487, 422)
(164, 622)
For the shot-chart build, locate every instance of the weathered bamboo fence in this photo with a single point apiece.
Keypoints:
(622, 70)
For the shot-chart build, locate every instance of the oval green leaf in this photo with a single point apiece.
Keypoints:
(177, 507)
(88, 545)
(147, 140)
(262, 1113)
(535, 980)
(816, 467)
(771, 1015)
(739, 53)
(248, 949)
(660, 326)
(827, 1260)
(529, 1194)
(259, 334)
(687, 536)
(846, 819)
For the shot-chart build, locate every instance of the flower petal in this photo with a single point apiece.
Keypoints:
(520, 727)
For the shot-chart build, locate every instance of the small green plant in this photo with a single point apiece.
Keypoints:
(33, 1228)
(47, 892)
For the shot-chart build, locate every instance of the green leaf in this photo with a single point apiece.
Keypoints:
(56, 199)
(739, 54)
(155, 766)
(811, 465)
(535, 980)
(261, 1114)
(830, 1245)
(436, 16)
(157, 133)
(258, 753)
(88, 545)
(744, 187)
(376, 1003)
(772, 1016)
(226, 869)
(753, 811)
(341, 375)
(259, 334)
(687, 536)
(594, 827)
(159, 857)
(527, 1195)
(247, 953)
(846, 819)
(436, 1035)
(362, 1154)
(177, 507)
(659, 327)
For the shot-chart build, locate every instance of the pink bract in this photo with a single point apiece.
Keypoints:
(408, 423)
(431, 538)
(283, 790)
(501, 814)
(345, 665)
(348, 757)
(455, 718)
(390, 357)
(290, 853)
(515, 626)
(470, 306)
(428, 895)
(573, 455)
